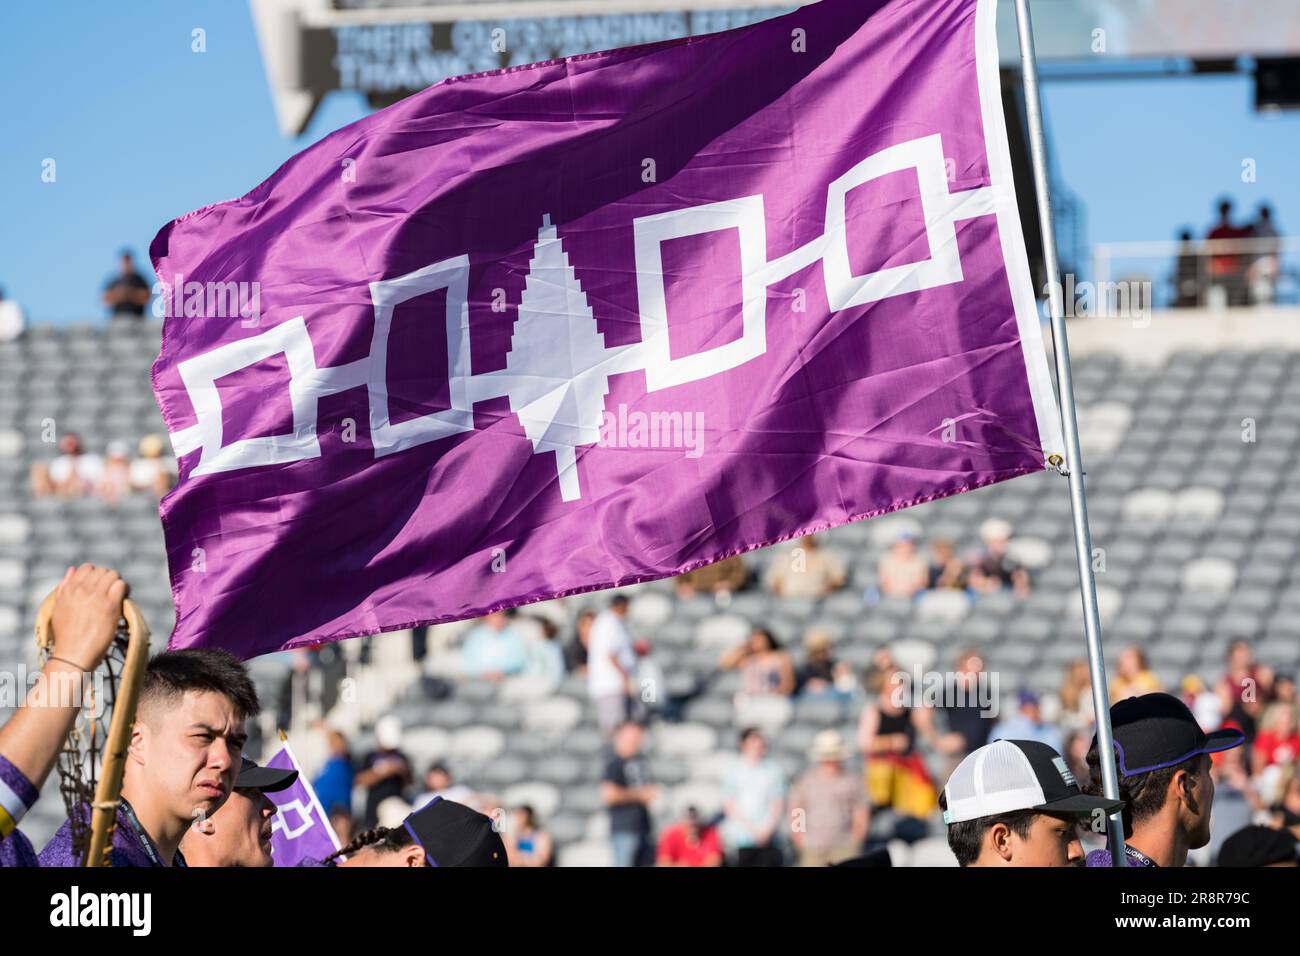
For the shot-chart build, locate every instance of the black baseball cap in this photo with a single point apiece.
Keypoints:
(265, 779)
(1155, 731)
(1259, 846)
(454, 835)
(1010, 775)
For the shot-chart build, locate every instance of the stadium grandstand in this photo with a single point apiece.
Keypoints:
(1191, 427)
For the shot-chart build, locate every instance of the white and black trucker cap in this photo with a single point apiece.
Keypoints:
(1009, 775)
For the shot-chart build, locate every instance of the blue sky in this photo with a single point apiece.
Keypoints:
(143, 130)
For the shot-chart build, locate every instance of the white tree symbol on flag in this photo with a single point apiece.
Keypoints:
(557, 364)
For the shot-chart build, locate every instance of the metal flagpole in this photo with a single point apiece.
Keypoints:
(1070, 425)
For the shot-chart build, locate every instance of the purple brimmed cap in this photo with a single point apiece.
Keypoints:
(1155, 731)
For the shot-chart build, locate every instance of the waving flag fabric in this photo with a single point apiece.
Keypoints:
(597, 321)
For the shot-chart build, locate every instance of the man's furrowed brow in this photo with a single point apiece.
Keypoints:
(237, 737)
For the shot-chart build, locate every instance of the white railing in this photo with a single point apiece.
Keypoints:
(1206, 273)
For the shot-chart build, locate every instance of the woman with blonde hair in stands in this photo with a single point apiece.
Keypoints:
(1076, 695)
(1133, 675)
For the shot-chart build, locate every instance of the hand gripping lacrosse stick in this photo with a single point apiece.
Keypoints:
(82, 780)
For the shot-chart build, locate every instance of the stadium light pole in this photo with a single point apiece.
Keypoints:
(1070, 425)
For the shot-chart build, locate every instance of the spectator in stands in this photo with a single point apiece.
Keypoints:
(967, 719)
(1187, 273)
(896, 776)
(721, 577)
(344, 825)
(12, 319)
(493, 649)
(821, 675)
(1285, 811)
(1133, 675)
(575, 652)
(765, 666)
(333, 785)
(1164, 768)
(527, 844)
(688, 842)
(543, 656)
(1076, 696)
(804, 570)
(385, 771)
(1076, 752)
(647, 680)
(611, 665)
(1228, 270)
(627, 789)
(153, 471)
(903, 572)
(828, 808)
(1202, 701)
(753, 793)
(72, 474)
(115, 478)
(1265, 267)
(1278, 741)
(1244, 689)
(1027, 724)
(1284, 691)
(947, 570)
(438, 782)
(127, 294)
(993, 568)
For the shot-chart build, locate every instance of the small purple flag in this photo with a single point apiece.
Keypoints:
(301, 830)
(597, 321)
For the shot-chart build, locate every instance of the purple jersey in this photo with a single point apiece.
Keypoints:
(128, 850)
(1103, 858)
(17, 794)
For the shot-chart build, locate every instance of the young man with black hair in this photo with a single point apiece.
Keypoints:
(1015, 803)
(1163, 760)
(87, 608)
(185, 751)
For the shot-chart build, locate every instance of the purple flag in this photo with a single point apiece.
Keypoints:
(597, 321)
(301, 830)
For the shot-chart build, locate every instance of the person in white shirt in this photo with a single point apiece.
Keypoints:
(12, 319)
(71, 474)
(115, 473)
(754, 798)
(611, 663)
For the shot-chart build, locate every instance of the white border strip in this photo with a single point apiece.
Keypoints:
(1013, 240)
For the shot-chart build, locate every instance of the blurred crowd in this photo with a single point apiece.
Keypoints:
(75, 473)
(1242, 276)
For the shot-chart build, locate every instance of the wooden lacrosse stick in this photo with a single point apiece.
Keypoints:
(108, 788)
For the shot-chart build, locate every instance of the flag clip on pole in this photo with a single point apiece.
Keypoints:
(1070, 426)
